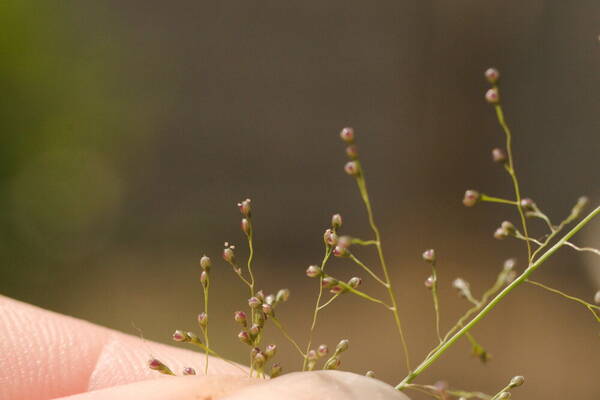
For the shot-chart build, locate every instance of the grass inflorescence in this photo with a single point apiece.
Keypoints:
(262, 308)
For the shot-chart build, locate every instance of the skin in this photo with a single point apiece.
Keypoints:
(45, 355)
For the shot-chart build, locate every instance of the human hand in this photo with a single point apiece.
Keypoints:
(45, 355)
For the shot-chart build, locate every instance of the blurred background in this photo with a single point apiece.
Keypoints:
(131, 129)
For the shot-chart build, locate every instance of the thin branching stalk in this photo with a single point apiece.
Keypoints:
(584, 249)
(362, 185)
(436, 303)
(205, 328)
(510, 168)
(490, 306)
(490, 199)
(593, 309)
(368, 270)
(328, 251)
(285, 333)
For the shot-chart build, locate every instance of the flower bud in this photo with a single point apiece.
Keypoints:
(246, 226)
(203, 319)
(340, 251)
(517, 381)
(492, 96)
(503, 396)
(508, 227)
(492, 75)
(345, 241)
(527, 204)
(254, 330)
(283, 295)
(337, 289)
(351, 168)
(352, 152)
(205, 263)
(270, 350)
(180, 336)
(275, 370)
(354, 282)
(342, 346)
(204, 278)
(270, 299)
(499, 155)
(332, 363)
(509, 264)
(228, 255)
(322, 350)
(260, 295)
(189, 371)
(336, 221)
(370, 374)
(471, 198)
(312, 355)
(240, 317)
(597, 297)
(347, 135)
(244, 337)
(429, 256)
(330, 237)
(267, 308)
(329, 282)
(259, 360)
(192, 337)
(500, 234)
(245, 207)
(313, 271)
(254, 302)
(158, 365)
(460, 284)
(429, 282)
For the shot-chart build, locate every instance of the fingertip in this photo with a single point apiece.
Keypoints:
(171, 388)
(320, 385)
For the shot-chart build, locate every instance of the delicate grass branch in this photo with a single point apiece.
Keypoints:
(328, 251)
(593, 308)
(362, 186)
(285, 333)
(510, 168)
(490, 306)
(490, 199)
(368, 270)
(583, 249)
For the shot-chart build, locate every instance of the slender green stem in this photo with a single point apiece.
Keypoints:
(214, 353)
(205, 328)
(368, 270)
(328, 251)
(520, 236)
(287, 335)
(518, 281)
(500, 281)
(250, 260)
(590, 249)
(504, 389)
(593, 309)
(364, 242)
(328, 302)
(363, 295)
(436, 304)
(362, 186)
(490, 199)
(510, 168)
